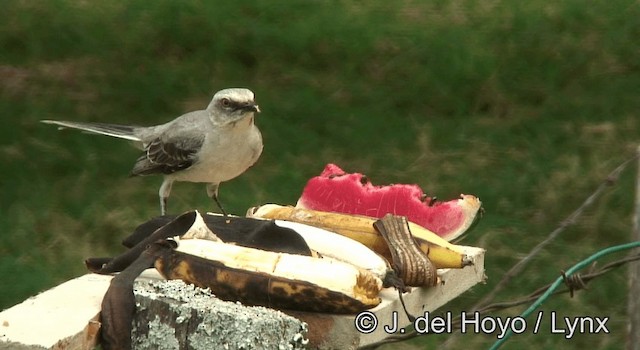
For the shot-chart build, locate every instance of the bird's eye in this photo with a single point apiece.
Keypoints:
(225, 102)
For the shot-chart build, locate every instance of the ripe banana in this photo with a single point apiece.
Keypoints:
(360, 228)
(279, 280)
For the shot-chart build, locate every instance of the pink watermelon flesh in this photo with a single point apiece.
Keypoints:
(352, 193)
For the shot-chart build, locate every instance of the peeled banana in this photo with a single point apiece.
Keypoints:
(360, 228)
(330, 245)
(272, 279)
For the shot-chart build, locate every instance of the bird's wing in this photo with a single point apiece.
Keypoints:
(166, 156)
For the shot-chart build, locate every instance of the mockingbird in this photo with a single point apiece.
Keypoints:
(212, 145)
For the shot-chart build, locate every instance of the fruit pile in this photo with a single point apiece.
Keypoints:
(333, 252)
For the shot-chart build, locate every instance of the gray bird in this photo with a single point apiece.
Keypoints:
(212, 145)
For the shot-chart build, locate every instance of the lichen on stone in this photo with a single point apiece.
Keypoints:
(201, 321)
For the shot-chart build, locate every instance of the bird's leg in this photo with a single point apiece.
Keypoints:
(215, 198)
(212, 191)
(165, 190)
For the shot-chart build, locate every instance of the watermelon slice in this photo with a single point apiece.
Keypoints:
(352, 193)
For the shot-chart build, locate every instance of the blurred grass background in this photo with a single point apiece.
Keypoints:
(527, 105)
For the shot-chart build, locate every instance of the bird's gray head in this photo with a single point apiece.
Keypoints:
(231, 105)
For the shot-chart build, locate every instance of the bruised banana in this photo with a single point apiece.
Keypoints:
(360, 228)
(278, 280)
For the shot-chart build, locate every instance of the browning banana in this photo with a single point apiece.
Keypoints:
(278, 280)
(360, 228)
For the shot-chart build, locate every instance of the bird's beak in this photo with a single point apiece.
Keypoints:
(251, 107)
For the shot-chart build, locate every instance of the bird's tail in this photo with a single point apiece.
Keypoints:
(115, 130)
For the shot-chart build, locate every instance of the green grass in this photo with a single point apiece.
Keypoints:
(527, 105)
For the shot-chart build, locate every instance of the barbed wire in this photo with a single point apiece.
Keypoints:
(582, 264)
(516, 269)
(572, 281)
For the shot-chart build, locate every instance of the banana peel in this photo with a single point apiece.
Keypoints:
(410, 264)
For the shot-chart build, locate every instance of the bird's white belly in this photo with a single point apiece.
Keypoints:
(216, 167)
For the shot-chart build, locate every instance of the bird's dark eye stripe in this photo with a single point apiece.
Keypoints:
(235, 105)
(225, 102)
